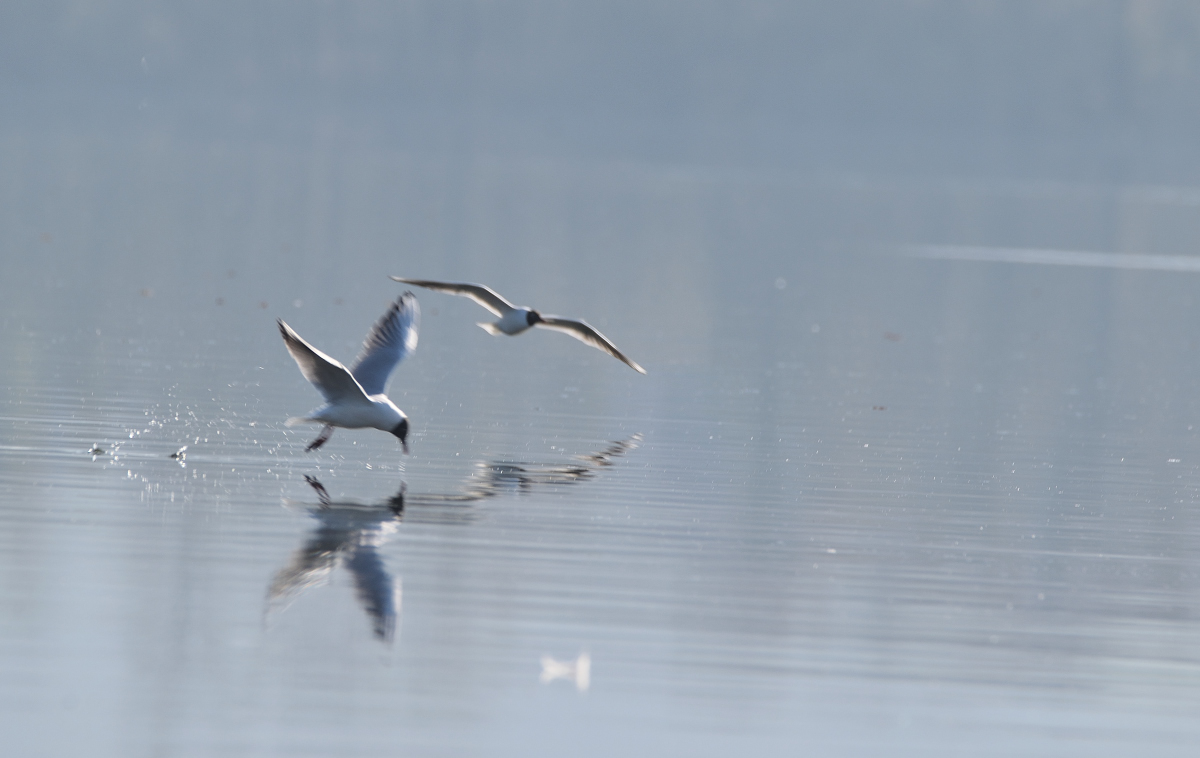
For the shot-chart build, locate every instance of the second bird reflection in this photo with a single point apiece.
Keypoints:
(349, 533)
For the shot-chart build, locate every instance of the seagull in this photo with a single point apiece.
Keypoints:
(516, 319)
(355, 397)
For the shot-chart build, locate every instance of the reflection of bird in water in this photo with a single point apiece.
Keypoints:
(490, 478)
(350, 533)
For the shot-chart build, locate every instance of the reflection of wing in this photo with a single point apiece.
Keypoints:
(310, 566)
(331, 378)
(391, 340)
(375, 590)
(352, 531)
(585, 332)
(604, 457)
(485, 296)
(490, 478)
(493, 476)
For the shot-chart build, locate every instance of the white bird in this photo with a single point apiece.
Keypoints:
(516, 319)
(355, 397)
(578, 670)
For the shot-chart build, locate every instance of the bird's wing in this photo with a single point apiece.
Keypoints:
(485, 296)
(582, 330)
(390, 341)
(331, 378)
(375, 589)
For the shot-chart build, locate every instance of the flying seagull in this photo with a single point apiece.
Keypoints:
(354, 398)
(516, 319)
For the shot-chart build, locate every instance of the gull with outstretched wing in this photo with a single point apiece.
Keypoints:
(516, 319)
(354, 398)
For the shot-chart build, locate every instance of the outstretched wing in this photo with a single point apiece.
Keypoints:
(331, 378)
(390, 341)
(585, 332)
(485, 296)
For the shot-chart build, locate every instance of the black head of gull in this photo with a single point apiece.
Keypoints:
(401, 431)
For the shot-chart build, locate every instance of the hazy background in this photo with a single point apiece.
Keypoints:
(876, 503)
(1068, 91)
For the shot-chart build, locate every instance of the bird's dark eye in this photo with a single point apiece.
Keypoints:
(401, 429)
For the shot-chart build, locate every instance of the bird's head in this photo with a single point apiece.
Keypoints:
(401, 431)
(532, 317)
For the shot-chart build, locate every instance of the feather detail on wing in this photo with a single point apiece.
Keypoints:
(331, 378)
(585, 332)
(485, 296)
(391, 340)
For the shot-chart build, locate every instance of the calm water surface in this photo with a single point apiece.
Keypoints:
(861, 500)
(864, 502)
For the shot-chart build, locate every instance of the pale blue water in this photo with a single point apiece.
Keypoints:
(863, 503)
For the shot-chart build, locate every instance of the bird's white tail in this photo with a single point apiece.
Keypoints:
(489, 328)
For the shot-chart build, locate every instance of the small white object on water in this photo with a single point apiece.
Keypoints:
(96, 451)
(578, 671)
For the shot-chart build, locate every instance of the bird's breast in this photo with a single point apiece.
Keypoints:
(514, 322)
(380, 413)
